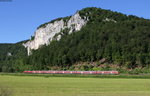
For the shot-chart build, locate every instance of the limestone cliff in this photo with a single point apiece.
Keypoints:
(44, 35)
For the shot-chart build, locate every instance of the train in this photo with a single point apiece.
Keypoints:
(73, 72)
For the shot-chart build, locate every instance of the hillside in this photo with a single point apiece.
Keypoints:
(94, 39)
(12, 56)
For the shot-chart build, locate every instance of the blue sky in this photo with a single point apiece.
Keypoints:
(20, 18)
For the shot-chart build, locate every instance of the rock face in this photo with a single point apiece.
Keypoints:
(44, 35)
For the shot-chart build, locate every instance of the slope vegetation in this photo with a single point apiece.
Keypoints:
(109, 39)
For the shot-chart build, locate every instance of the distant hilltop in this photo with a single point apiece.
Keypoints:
(93, 39)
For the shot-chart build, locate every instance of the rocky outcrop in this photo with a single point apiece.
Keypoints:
(44, 35)
(109, 20)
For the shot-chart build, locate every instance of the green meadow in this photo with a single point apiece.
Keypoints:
(73, 86)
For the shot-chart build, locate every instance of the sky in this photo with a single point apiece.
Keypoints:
(19, 19)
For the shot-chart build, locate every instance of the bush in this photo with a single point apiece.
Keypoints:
(136, 71)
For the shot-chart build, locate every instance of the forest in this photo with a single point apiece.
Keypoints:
(109, 41)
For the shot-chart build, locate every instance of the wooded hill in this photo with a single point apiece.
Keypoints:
(109, 38)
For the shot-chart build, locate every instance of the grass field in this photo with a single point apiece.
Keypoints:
(74, 86)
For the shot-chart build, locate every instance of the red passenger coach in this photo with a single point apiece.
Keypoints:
(73, 72)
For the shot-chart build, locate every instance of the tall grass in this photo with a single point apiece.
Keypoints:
(128, 76)
(4, 91)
